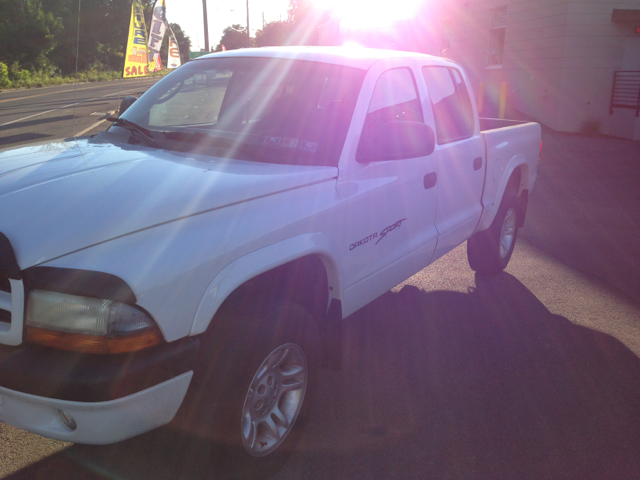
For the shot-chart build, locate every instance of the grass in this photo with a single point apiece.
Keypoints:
(34, 80)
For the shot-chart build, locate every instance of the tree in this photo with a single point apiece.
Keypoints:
(233, 37)
(41, 34)
(306, 19)
(27, 33)
(274, 34)
(104, 26)
(184, 42)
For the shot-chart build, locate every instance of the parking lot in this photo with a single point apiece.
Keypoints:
(534, 373)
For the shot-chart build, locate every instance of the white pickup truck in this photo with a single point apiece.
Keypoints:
(205, 249)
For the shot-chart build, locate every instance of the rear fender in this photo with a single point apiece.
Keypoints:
(517, 161)
(249, 266)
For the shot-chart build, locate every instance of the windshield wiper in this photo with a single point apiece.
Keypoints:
(135, 128)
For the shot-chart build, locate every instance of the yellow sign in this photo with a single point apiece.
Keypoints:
(136, 58)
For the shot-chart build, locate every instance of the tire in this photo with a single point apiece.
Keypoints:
(489, 251)
(257, 392)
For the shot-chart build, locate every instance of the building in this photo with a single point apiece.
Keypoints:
(558, 57)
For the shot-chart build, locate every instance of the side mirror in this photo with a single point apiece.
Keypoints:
(126, 103)
(395, 141)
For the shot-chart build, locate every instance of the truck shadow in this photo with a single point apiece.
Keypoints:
(487, 384)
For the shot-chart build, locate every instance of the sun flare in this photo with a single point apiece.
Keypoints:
(365, 14)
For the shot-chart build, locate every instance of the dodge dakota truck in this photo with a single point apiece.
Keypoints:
(197, 259)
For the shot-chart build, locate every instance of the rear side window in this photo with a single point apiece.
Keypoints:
(451, 103)
(394, 99)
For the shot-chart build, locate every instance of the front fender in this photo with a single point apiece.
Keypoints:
(259, 261)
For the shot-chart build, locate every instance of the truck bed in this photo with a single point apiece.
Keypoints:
(506, 141)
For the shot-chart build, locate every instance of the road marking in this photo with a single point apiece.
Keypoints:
(66, 106)
(79, 134)
(44, 94)
(49, 93)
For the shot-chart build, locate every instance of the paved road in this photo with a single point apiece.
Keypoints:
(534, 373)
(44, 114)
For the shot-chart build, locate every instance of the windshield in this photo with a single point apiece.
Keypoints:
(265, 109)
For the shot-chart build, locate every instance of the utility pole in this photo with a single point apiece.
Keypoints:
(206, 25)
(248, 32)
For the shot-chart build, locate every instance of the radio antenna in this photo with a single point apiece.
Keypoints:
(75, 86)
(75, 82)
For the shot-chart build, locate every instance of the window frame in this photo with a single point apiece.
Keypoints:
(419, 108)
(494, 29)
(461, 97)
(415, 89)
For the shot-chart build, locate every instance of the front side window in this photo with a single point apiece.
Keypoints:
(263, 109)
(394, 99)
(451, 103)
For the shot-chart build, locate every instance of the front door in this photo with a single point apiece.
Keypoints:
(390, 205)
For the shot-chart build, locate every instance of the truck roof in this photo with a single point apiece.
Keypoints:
(351, 56)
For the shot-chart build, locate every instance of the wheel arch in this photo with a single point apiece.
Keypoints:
(310, 254)
(517, 173)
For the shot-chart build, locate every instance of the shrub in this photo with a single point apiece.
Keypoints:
(14, 71)
(4, 75)
(14, 76)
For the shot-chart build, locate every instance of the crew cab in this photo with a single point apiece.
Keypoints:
(200, 255)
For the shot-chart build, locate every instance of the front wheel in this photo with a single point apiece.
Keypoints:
(489, 251)
(263, 360)
(274, 400)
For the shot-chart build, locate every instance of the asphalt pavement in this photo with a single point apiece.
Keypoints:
(531, 374)
(586, 208)
(43, 114)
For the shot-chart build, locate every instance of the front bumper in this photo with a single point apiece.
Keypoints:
(62, 375)
(97, 423)
(110, 397)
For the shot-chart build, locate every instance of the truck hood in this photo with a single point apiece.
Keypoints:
(60, 197)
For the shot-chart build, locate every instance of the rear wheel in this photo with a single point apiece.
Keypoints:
(490, 250)
(257, 394)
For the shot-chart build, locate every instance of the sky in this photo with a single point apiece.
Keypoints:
(221, 14)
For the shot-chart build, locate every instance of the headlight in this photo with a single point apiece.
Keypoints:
(89, 325)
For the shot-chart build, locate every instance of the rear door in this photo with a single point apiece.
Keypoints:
(460, 156)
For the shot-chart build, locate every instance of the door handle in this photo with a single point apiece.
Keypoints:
(430, 180)
(477, 163)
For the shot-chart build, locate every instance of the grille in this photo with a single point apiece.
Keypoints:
(5, 300)
(11, 296)
(11, 311)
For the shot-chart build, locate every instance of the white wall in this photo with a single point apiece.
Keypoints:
(559, 58)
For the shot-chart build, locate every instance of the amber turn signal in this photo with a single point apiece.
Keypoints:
(94, 343)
